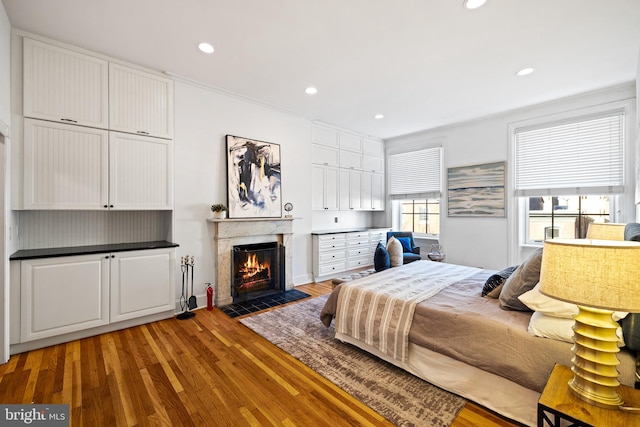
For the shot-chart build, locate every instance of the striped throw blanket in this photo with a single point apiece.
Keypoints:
(378, 309)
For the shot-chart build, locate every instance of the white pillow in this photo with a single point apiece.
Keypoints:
(394, 247)
(537, 301)
(557, 328)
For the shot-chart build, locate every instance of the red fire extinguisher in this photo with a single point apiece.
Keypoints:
(209, 297)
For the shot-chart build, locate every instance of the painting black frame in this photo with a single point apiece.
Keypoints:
(253, 178)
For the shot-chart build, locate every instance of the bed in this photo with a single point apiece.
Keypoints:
(451, 336)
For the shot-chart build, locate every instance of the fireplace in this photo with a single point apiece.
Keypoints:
(257, 270)
(228, 233)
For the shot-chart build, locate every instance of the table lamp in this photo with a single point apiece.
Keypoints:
(600, 276)
(605, 231)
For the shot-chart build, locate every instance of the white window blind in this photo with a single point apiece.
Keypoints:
(583, 156)
(416, 174)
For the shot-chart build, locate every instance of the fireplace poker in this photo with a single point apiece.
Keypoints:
(184, 266)
(192, 299)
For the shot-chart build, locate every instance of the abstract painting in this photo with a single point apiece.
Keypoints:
(253, 172)
(477, 190)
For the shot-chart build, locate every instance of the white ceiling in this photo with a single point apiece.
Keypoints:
(421, 63)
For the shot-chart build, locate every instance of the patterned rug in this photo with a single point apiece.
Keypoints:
(402, 398)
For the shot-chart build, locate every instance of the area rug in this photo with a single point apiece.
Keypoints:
(402, 398)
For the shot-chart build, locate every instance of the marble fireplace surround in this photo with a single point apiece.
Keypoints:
(228, 233)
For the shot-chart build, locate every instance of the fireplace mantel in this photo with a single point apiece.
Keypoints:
(230, 232)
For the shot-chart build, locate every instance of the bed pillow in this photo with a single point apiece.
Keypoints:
(557, 328)
(406, 243)
(537, 301)
(381, 260)
(523, 279)
(632, 232)
(495, 282)
(394, 247)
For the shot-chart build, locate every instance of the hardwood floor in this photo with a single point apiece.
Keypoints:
(209, 370)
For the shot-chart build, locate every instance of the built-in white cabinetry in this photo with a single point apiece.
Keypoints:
(324, 187)
(358, 159)
(65, 166)
(74, 167)
(140, 172)
(350, 189)
(64, 86)
(61, 295)
(334, 253)
(140, 102)
(140, 283)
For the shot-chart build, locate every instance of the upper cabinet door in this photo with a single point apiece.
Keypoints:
(140, 172)
(64, 86)
(140, 102)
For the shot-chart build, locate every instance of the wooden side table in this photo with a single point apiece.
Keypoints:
(557, 403)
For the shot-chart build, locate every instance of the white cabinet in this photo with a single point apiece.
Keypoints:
(141, 283)
(140, 102)
(350, 160)
(65, 166)
(324, 187)
(62, 295)
(73, 167)
(372, 147)
(330, 255)
(68, 294)
(141, 172)
(323, 155)
(335, 253)
(64, 86)
(324, 136)
(372, 187)
(373, 164)
(350, 189)
(350, 142)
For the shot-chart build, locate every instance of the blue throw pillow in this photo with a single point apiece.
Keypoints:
(406, 244)
(381, 259)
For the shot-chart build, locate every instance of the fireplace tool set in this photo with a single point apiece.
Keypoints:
(187, 304)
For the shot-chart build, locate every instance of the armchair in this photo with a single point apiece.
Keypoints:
(407, 256)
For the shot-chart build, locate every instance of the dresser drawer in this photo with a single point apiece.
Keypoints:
(359, 262)
(331, 256)
(358, 252)
(331, 268)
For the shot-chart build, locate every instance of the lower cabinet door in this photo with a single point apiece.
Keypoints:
(62, 295)
(141, 283)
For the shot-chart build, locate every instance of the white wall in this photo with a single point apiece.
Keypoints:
(5, 43)
(203, 117)
(484, 242)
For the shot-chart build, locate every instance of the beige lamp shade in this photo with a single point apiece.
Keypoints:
(605, 231)
(601, 274)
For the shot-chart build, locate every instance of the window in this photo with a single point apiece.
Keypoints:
(415, 189)
(569, 174)
(420, 216)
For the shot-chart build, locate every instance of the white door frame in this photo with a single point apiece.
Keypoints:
(4, 259)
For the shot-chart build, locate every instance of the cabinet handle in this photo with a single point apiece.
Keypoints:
(110, 206)
(141, 132)
(107, 257)
(113, 256)
(69, 120)
(106, 206)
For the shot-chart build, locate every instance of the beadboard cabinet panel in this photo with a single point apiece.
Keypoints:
(141, 283)
(324, 188)
(141, 172)
(65, 166)
(62, 295)
(140, 102)
(350, 190)
(64, 86)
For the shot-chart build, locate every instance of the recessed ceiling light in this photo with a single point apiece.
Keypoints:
(205, 47)
(379, 116)
(311, 90)
(473, 4)
(525, 71)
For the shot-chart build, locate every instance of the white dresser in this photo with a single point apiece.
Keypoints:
(337, 252)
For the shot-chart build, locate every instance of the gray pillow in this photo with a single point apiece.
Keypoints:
(522, 280)
(632, 232)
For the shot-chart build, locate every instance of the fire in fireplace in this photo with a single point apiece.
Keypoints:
(258, 270)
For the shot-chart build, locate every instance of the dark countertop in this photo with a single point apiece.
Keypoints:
(87, 250)
(348, 230)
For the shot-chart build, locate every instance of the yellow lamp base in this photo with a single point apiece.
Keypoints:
(595, 359)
